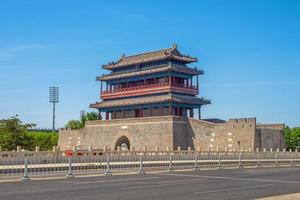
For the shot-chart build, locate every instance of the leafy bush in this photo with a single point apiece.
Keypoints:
(13, 133)
(292, 137)
(78, 124)
(45, 140)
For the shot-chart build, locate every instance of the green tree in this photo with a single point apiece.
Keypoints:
(13, 133)
(74, 124)
(292, 137)
(45, 140)
(78, 124)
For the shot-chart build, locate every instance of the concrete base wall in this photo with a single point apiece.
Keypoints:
(169, 132)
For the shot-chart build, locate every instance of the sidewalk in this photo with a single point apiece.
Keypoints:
(283, 197)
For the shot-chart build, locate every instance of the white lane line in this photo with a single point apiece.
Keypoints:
(151, 186)
(164, 183)
(236, 188)
(118, 180)
(140, 187)
(234, 178)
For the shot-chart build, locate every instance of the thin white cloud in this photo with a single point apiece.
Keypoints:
(24, 47)
(58, 71)
(10, 52)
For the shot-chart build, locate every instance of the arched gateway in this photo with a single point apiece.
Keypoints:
(123, 143)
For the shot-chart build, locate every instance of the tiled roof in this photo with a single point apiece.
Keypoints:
(175, 68)
(149, 100)
(172, 53)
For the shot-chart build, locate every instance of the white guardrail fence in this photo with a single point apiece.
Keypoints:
(26, 165)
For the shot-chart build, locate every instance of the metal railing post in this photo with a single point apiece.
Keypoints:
(70, 174)
(258, 160)
(240, 160)
(220, 162)
(276, 159)
(141, 170)
(107, 172)
(25, 176)
(170, 165)
(196, 162)
(292, 160)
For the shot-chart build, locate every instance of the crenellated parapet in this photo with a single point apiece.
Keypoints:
(242, 120)
(64, 130)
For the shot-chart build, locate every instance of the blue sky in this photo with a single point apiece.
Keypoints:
(249, 50)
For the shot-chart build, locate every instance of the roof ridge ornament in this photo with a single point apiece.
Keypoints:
(174, 46)
(123, 55)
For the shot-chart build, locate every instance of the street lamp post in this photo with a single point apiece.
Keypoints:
(53, 98)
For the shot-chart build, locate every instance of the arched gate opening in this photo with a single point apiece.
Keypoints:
(123, 143)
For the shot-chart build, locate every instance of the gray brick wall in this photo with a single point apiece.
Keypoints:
(172, 131)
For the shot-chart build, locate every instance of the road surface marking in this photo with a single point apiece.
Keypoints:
(118, 180)
(164, 183)
(235, 178)
(236, 188)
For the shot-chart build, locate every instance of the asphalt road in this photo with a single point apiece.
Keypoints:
(212, 184)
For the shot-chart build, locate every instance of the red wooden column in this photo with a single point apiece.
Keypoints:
(176, 110)
(170, 110)
(107, 115)
(180, 111)
(161, 111)
(197, 81)
(142, 112)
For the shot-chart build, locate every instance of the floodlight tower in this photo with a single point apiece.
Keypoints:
(53, 98)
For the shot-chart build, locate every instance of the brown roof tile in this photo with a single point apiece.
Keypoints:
(172, 53)
(152, 99)
(175, 68)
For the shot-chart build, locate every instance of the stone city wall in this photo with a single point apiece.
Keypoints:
(234, 134)
(151, 132)
(271, 136)
(169, 132)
